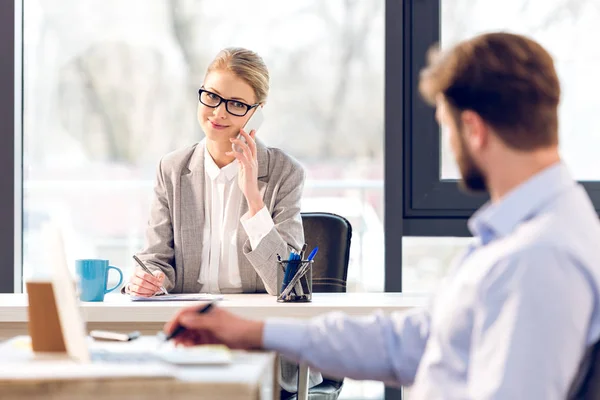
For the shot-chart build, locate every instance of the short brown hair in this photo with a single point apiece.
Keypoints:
(247, 65)
(509, 80)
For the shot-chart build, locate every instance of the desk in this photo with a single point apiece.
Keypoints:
(250, 376)
(118, 313)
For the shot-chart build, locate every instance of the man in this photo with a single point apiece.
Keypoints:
(517, 310)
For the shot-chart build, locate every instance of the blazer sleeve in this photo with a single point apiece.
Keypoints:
(287, 232)
(159, 252)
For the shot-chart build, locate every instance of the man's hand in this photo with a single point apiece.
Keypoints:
(216, 326)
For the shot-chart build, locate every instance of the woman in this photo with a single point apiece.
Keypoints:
(220, 217)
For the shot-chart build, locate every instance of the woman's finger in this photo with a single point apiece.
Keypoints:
(240, 143)
(143, 275)
(160, 277)
(248, 153)
(140, 291)
(241, 157)
(250, 141)
(243, 146)
(144, 283)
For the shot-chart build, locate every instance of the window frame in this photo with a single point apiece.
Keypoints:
(433, 206)
(396, 40)
(11, 106)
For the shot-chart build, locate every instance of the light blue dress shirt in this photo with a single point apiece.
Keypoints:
(511, 320)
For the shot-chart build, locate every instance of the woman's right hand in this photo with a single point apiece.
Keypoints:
(145, 284)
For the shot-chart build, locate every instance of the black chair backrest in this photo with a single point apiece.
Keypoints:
(332, 234)
(586, 385)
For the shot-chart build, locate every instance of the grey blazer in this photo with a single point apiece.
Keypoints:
(175, 227)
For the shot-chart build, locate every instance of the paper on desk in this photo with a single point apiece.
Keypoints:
(67, 369)
(179, 297)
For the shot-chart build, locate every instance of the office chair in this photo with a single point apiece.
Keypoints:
(332, 234)
(586, 385)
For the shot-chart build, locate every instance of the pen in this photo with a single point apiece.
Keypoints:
(297, 266)
(294, 267)
(313, 253)
(148, 271)
(303, 251)
(299, 273)
(180, 328)
(298, 288)
(288, 270)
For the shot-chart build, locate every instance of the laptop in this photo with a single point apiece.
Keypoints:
(142, 350)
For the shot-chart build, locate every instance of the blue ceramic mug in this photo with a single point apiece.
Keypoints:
(93, 278)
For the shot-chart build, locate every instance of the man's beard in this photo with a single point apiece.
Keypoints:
(473, 179)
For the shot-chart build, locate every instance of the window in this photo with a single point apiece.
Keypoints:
(434, 206)
(111, 86)
(425, 261)
(569, 30)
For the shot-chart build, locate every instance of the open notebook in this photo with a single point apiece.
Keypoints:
(180, 297)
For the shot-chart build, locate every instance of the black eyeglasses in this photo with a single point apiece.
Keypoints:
(233, 107)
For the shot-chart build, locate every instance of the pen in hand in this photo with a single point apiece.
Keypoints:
(141, 264)
(179, 329)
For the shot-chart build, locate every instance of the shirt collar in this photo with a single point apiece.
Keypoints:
(228, 172)
(520, 204)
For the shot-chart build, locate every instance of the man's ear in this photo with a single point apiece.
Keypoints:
(475, 129)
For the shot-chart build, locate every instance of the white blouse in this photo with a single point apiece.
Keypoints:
(222, 199)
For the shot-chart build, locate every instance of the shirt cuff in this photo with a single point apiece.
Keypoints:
(258, 226)
(286, 336)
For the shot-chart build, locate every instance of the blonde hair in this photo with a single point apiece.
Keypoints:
(247, 65)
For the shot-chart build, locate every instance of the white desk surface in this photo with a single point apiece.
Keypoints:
(118, 308)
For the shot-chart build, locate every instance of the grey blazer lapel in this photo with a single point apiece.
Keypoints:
(192, 218)
(247, 273)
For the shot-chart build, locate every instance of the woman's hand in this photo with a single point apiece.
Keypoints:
(248, 175)
(145, 284)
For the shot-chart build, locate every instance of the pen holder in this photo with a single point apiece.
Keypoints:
(298, 281)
